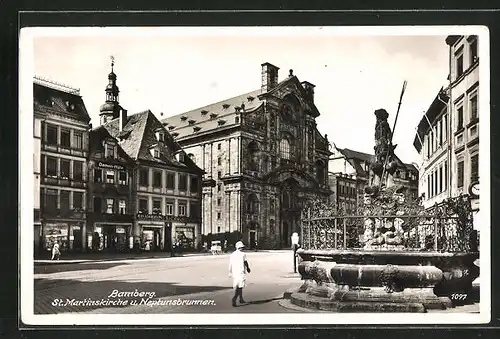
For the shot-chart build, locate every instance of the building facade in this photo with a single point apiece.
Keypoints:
(447, 137)
(64, 124)
(165, 184)
(110, 170)
(351, 173)
(263, 158)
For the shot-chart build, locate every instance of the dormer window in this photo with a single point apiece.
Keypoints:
(225, 106)
(204, 112)
(196, 128)
(109, 151)
(171, 127)
(213, 116)
(160, 136)
(237, 108)
(183, 118)
(191, 122)
(70, 106)
(221, 122)
(250, 98)
(155, 152)
(175, 134)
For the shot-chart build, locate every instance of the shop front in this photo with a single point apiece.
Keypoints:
(152, 227)
(67, 234)
(185, 235)
(112, 237)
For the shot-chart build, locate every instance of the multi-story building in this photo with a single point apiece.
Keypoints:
(351, 173)
(64, 124)
(110, 223)
(263, 158)
(447, 136)
(165, 183)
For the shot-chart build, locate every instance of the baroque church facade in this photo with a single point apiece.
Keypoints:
(263, 158)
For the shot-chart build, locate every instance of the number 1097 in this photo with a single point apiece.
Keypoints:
(458, 296)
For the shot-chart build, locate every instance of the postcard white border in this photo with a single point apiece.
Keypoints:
(26, 184)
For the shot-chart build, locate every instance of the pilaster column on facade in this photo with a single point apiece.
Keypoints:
(203, 157)
(210, 164)
(227, 217)
(163, 182)
(163, 205)
(237, 156)
(238, 216)
(58, 134)
(150, 204)
(228, 158)
(150, 179)
(71, 200)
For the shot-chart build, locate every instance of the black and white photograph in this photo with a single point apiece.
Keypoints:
(254, 175)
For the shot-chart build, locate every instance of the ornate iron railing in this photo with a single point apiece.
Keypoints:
(446, 227)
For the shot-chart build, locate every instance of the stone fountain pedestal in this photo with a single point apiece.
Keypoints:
(382, 281)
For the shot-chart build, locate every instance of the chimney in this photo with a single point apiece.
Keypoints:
(269, 77)
(309, 88)
(123, 119)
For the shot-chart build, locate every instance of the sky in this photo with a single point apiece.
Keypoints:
(174, 70)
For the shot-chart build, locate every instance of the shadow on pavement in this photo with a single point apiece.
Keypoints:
(258, 302)
(47, 269)
(107, 290)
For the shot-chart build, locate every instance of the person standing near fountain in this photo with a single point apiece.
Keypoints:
(238, 267)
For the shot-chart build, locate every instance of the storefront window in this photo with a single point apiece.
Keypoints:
(185, 237)
(56, 233)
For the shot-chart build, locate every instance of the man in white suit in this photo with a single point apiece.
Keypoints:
(238, 266)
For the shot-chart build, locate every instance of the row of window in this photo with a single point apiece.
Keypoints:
(109, 205)
(346, 190)
(472, 109)
(53, 199)
(437, 135)
(459, 56)
(61, 168)
(474, 170)
(182, 210)
(437, 181)
(56, 135)
(110, 177)
(170, 180)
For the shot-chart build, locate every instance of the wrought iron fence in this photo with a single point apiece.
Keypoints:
(446, 227)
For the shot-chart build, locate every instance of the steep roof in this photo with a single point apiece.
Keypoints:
(206, 118)
(48, 100)
(138, 136)
(99, 133)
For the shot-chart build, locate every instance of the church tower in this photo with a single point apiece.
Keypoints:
(110, 109)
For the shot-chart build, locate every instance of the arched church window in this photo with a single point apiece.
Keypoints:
(253, 156)
(285, 199)
(285, 148)
(320, 172)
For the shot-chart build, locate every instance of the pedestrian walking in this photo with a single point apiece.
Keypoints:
(55, 251)
(238, 267)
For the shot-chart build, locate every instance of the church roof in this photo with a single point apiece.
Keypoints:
(138, 136)
(206, 118)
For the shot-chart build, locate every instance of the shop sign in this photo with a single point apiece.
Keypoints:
(109, 166)
(141, 216)
(120, 230)
(56, 229)
(76, 227)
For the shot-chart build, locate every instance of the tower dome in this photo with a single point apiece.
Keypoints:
(109, 110)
